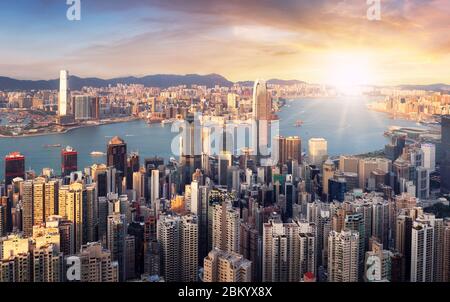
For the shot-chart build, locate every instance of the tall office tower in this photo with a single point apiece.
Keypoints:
(225, 161)
(63, 100)
(97, 264)
(225, 227)
(222, 266)
(280, 257)
(294, 148)
(27, 208)
(82, 107)
(115, 241)
(130, 257)
(51, 198)
(366, 167)
(343, 256)
(446, 251)
(422, 251)
(38, 200)
(117, 154)
(337, 187)
(429, 156)
(132, 167)
(177, 235)
(191, 147)
(422, 183)
(282, 156)
(403, 234)
(328, 172)
(154, 189)
(69, 161)
(47, 264)
(355, 222)
(261, 115)
(189, 249)
(445, 156)
(290, 197)
(202, 216)
(348, 164)
(380, 221)
(14, 167)
(317, 151)
(72, 199)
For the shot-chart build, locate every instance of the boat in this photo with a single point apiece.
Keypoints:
(52, 146)
(164, 122)
(298, 123)
(97, 153)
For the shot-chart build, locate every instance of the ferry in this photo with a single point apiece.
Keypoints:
(97, 153)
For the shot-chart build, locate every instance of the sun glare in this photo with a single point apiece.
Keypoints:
(349, 72)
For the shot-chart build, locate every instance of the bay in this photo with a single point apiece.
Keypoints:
(345, 122)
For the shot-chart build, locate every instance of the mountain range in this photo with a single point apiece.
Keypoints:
(162, 81)
(159, 80)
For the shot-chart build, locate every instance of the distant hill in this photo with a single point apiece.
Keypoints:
(160, 80)
(431, 87)
(272, 81)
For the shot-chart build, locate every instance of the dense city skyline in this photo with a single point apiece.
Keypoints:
(319, 42)
(338, 173)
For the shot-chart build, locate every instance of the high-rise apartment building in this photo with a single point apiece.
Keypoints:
(343, 256)
(222, 266)
(225, 227)
(178, 239)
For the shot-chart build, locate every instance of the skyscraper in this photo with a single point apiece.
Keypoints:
(429, 156)
(225, 227)
(14, 167)
(445, 160)
(69, 161)
(280, 259)
(178, 237)
(63, 101)
(82, 107)
(422, 251)
(117, 154)
(317, 151)
(261, 115)
(328, 172)
(343, 256)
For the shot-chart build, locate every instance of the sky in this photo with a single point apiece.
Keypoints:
(318, 41)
